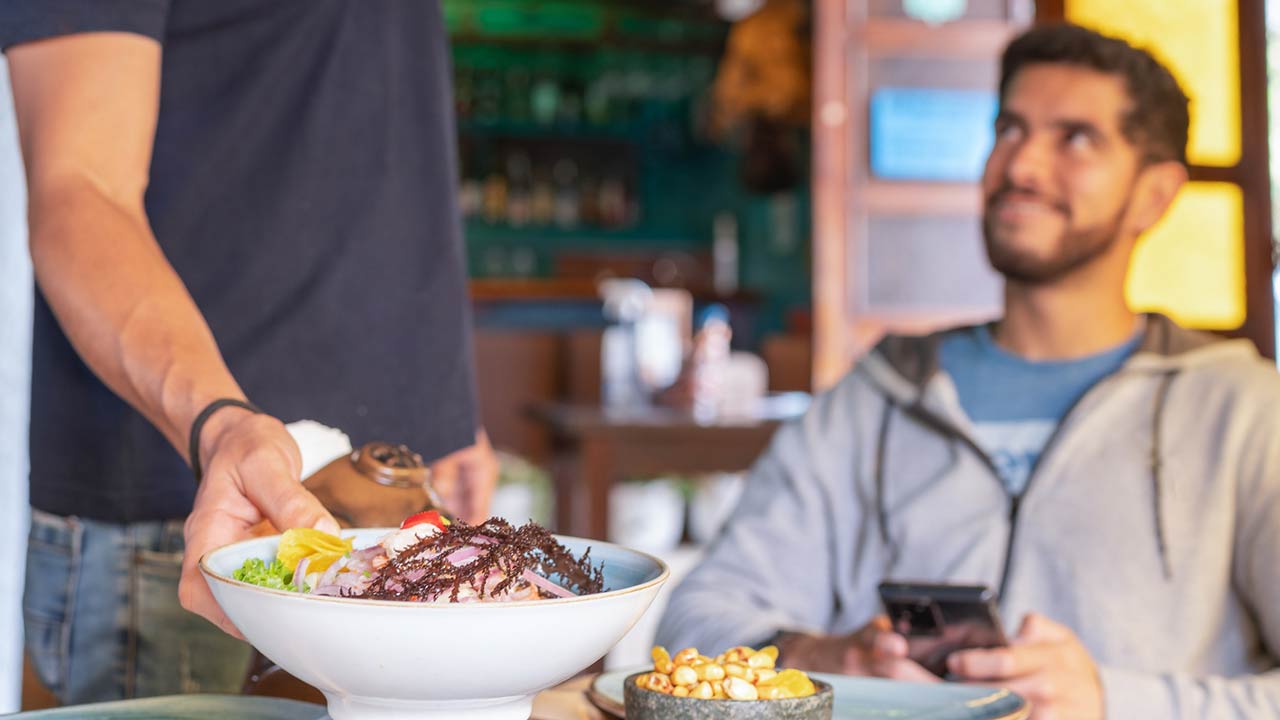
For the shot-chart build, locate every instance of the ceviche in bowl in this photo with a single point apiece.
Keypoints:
(432, 619)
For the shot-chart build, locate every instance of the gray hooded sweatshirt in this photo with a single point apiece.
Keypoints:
(1150, 525)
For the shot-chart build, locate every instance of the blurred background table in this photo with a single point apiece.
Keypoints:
(595, 447)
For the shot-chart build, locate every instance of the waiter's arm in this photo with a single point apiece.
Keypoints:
(86, 108)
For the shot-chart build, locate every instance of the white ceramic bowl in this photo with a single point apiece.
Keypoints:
(388, 660)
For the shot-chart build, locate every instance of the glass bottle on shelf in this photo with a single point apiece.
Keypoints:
(605, 91)
(724, 253)
(463, 91)
(639, 85)
(544, 99)
(544, 197)
(495, 197)
(595, 101)
(711, 353)
(589, 201)
(470, 195)
(568, 202)
(487, 95)
(570, 109)
(613, 202)
(516, 94)
(519, 189)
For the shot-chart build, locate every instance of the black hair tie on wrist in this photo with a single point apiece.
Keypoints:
(193, 445)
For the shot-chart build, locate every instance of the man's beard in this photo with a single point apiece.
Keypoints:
(1077, 246)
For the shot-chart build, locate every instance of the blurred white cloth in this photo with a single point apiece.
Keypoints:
(319, 444)
(15, 375)
(744, 384)
(647, 515)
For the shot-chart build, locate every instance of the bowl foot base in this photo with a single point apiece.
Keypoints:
(348, 707)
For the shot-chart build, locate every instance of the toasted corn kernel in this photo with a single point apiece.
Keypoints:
(702, 660)
(642, 680)
(702, 691)
(734, 670)
(749, 675)
(772, 693)
(685, 656)
(761, 660)
(771, 651)
(739, 689)
(681, 692)
(763, 675)
(659, 682)
(710, 671)
(796, 683)
(684, 675)
(662, 660)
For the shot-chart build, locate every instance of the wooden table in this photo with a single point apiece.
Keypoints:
(596, 448)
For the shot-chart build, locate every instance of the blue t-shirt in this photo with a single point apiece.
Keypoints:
(1015, 403)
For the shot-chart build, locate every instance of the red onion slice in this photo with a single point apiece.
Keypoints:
(466, 554)
(300, 573)
(547, 585)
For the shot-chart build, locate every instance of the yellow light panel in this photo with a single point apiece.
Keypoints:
(1199, 41)
(1190, 266)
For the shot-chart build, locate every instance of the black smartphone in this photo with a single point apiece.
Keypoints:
(940, 618)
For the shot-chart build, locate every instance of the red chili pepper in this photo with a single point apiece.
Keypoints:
(428, 516)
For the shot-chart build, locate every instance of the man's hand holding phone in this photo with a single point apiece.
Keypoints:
(1045, 663)
(874, 650)
(953, 630)
(938, 619)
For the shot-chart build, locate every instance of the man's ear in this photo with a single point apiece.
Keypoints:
(1158, 184)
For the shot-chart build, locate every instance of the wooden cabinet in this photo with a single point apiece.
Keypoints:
(901, 253)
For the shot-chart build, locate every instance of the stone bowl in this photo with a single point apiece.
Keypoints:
(645, 704)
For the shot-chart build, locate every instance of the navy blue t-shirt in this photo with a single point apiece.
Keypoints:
(302, 185)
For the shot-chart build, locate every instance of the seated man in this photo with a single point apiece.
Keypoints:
(1114, 477)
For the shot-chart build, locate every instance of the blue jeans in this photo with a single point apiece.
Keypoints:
(102, 618)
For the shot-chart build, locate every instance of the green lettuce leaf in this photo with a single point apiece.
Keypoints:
(256, 572)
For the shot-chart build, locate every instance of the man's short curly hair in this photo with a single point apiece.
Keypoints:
(1158, 117)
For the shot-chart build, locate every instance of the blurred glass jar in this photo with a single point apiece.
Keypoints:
(377, 485)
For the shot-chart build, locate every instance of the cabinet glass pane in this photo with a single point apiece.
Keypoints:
(920, 265)
(1199, 40)
(1191, 265)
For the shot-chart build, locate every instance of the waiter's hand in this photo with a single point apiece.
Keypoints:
(1046, 664)
(251, 473)
(466, 479)
(872, 650)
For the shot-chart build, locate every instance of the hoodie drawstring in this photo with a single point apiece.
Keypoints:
(1157, 470)
(882, 510)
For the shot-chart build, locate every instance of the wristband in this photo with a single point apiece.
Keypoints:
(193, 445)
